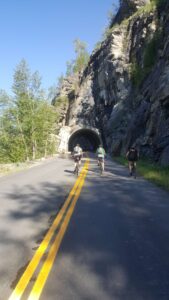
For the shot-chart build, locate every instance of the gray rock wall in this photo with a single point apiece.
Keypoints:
(107, 99)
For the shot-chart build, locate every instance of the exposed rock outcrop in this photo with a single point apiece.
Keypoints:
(126, 112)
(128, 8)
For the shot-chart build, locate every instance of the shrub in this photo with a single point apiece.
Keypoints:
(158, 3)
(137, 72)
(61, 101)
(151, 171)
(151, 50)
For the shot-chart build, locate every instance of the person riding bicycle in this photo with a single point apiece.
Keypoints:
(132, 155)
(77, 155)
(100, 155)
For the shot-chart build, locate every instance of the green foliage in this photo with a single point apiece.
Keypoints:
(150, 53)
(137, 72)
(21, 78)
(11, 146)
(45, 119)
(146, 9)
(82, 56)
(107, 33)
(77, 65)
(158, 3)
(151, 171)
(60, 81)
(69, 68)
(61, 101)
(27, 121)
(4, 100)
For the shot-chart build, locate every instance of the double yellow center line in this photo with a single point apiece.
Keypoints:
(62, 218)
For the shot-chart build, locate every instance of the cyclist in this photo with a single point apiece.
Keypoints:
(77, 155)
(132, 155)
(100, 156)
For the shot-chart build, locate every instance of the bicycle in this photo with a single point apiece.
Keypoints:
(77, 166)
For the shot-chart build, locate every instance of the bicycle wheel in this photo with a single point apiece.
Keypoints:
(101, 167)
(77, 169)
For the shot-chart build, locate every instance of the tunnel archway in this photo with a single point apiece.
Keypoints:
(88, 140)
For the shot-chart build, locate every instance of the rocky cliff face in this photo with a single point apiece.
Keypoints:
(109, 97)
(127, 9)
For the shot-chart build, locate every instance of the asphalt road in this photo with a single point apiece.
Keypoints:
(29, 199)
(116, 245)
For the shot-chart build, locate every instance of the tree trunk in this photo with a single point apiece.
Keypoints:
(23, 139)
(46, 144)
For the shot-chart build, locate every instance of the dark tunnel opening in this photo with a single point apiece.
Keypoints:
(86, 138)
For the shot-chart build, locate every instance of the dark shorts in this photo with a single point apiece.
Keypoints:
(77, 158)
(101, 159)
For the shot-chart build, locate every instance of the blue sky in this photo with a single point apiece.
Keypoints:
(42, 32)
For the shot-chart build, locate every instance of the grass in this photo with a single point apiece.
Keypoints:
(9, 168)
(150, 171)
(6, 169)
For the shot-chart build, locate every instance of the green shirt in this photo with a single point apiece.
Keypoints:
(100, 150)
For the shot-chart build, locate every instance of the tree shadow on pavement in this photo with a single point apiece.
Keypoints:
(34, 211)
(117, 244)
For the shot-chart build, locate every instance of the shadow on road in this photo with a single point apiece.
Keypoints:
(69, 171)
(35, 210)
(117, 244)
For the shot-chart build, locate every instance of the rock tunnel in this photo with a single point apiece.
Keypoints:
(88, 139)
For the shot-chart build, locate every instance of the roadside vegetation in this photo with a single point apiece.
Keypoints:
(8, 168)
(61, 101)
(26, 119)
(138, 72)
(29, 118)
(150, 171)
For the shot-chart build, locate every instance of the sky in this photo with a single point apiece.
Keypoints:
(42, 32)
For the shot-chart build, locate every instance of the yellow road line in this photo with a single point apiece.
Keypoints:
(47, 266)
(27, 275)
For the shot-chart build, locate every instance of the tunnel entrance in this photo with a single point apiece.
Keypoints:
(88, 140)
